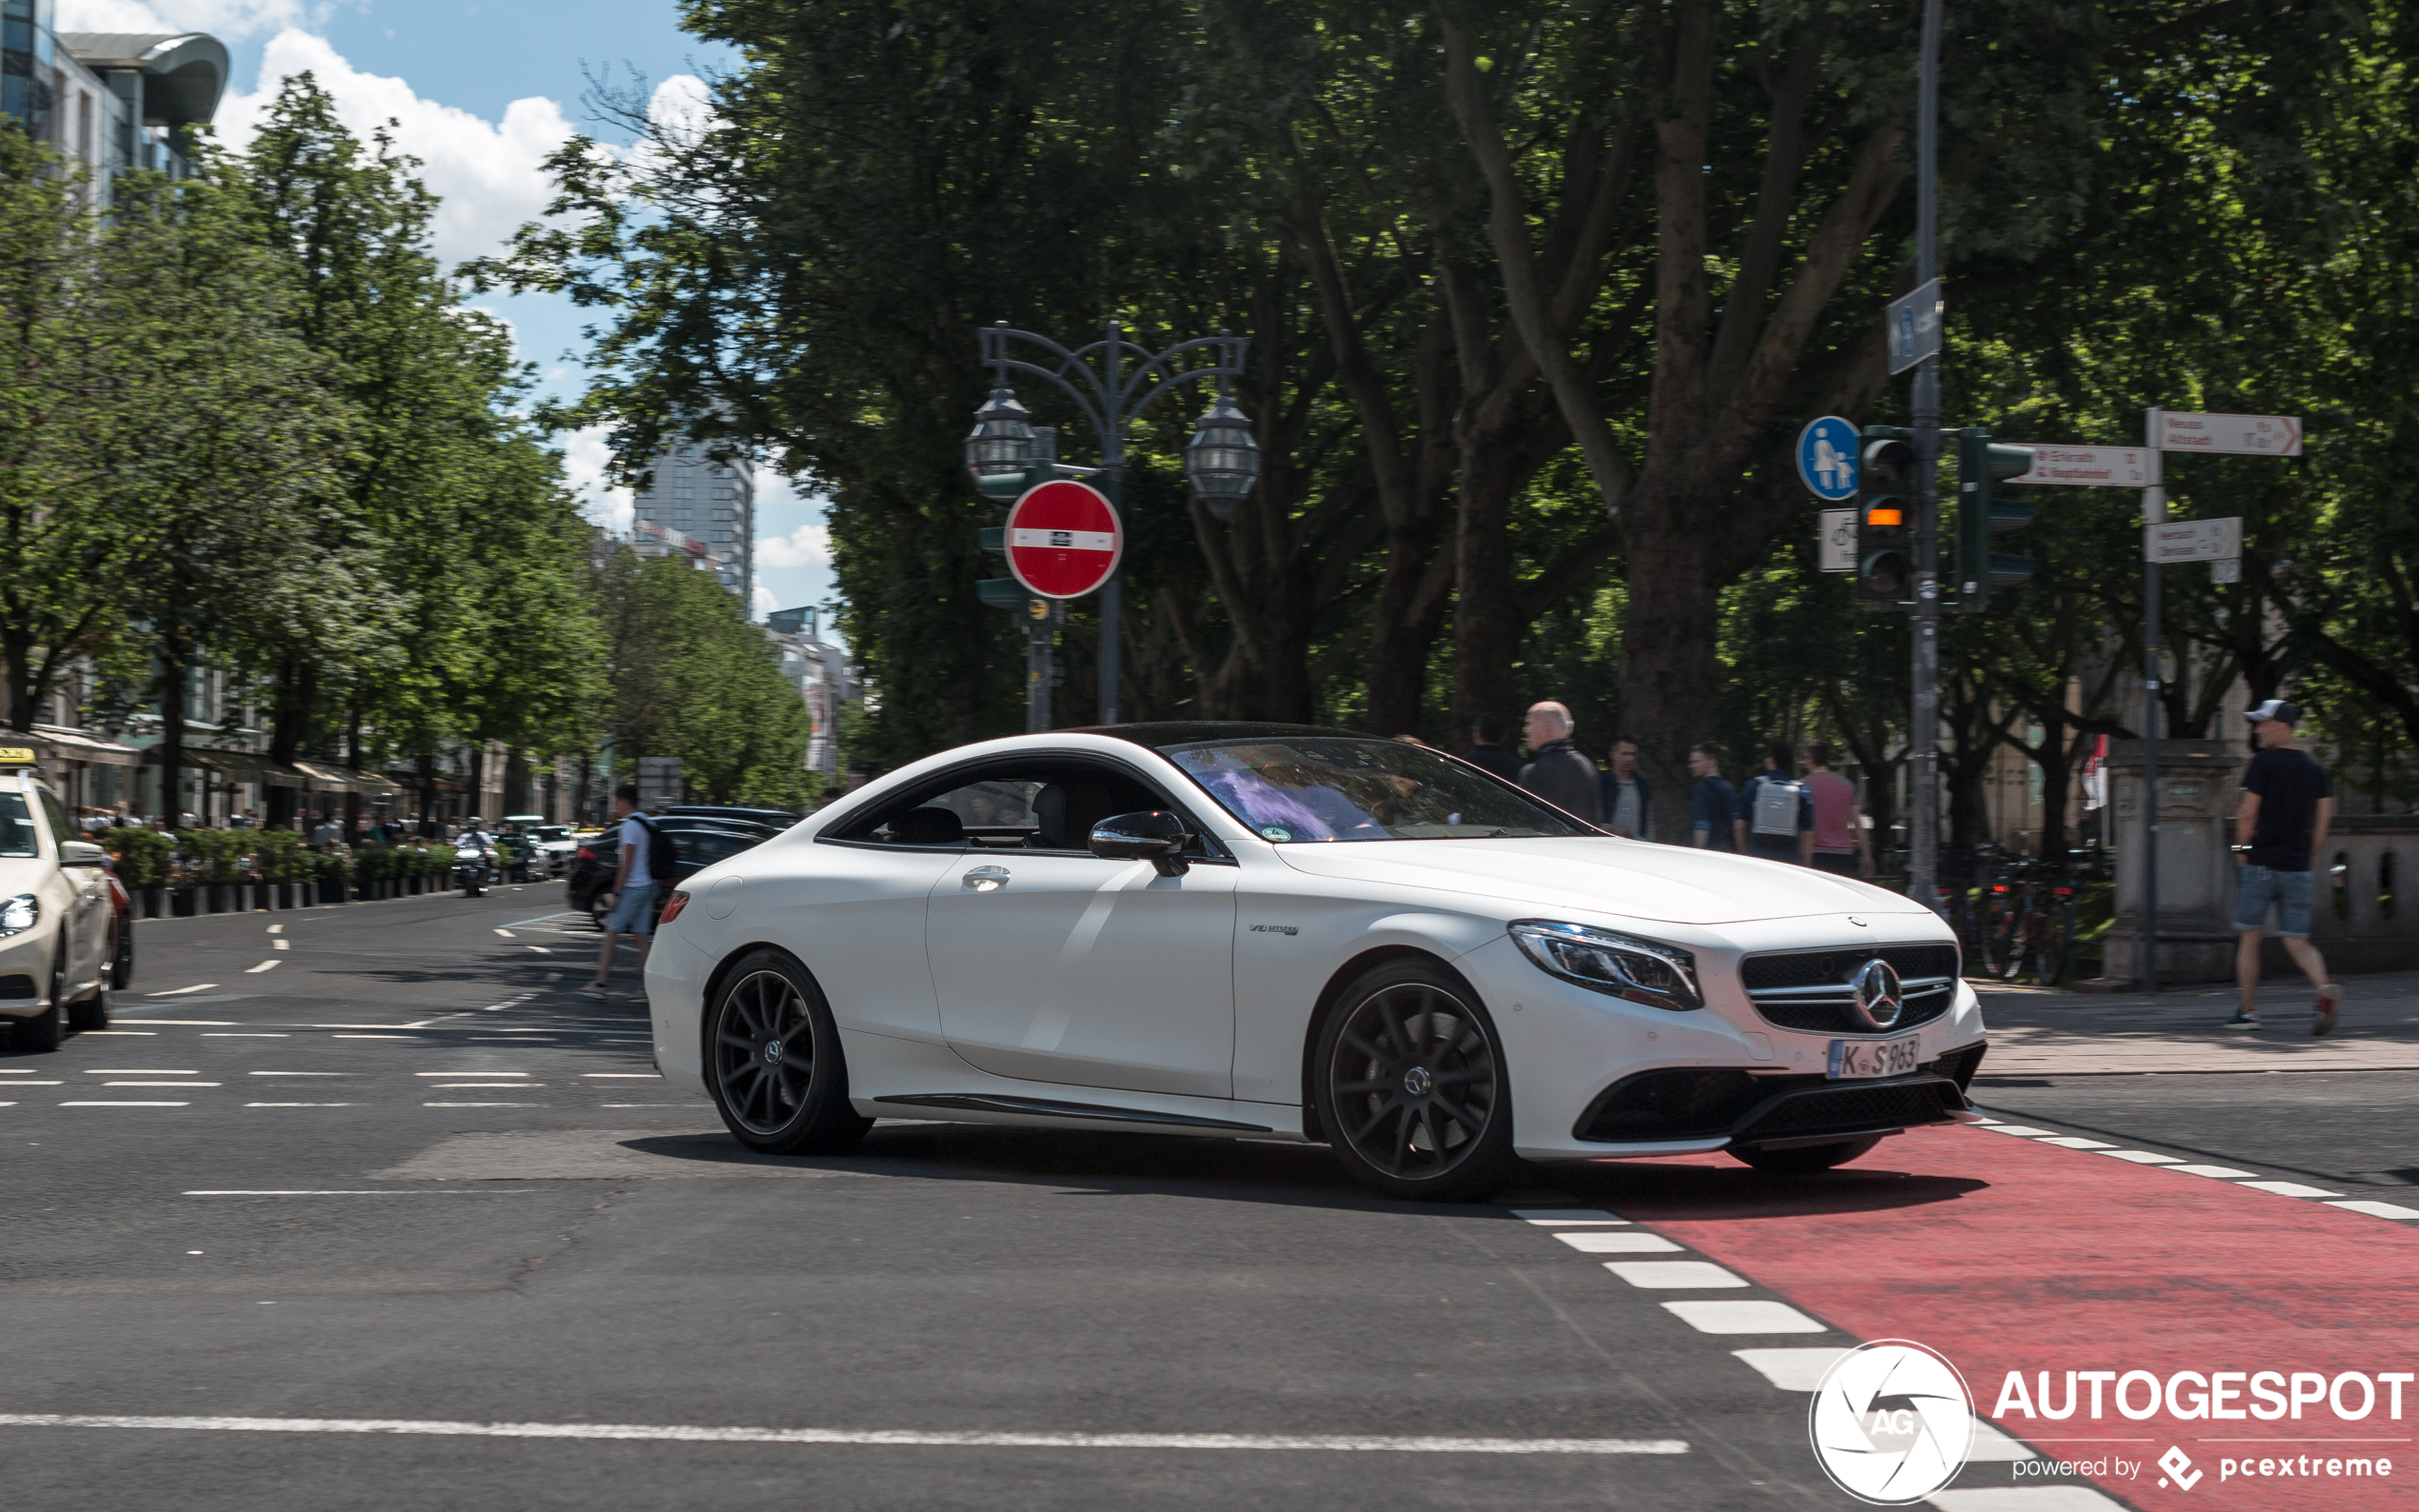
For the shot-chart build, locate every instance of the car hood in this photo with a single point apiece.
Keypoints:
(1636, 879)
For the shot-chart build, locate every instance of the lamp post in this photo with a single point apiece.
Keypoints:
(1111, 381)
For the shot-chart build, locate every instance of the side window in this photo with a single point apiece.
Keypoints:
(1031, 805)
(60, 829)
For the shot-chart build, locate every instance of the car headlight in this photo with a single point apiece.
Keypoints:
(1658, 975)
(19, 914)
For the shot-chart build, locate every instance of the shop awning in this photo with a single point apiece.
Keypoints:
(77, 746)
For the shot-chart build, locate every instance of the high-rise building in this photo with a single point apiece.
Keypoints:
(819, 670)
(108, 100)
(712, 505)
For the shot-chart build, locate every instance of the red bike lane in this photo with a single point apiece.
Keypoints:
(2009, 1256)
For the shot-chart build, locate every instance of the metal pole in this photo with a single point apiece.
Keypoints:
(1112, 476)
(1923, 817)
(2153, 513)
(1040, 620)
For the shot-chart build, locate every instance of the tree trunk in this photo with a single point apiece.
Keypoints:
(297, 693)
(172, 676)
(1671, 677)
(1485, 618)
(478, 755)
(427, 775)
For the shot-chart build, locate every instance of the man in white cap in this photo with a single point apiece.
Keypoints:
(2287, 805)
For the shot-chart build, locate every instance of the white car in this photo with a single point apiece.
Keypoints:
(56, 916)
(1280, 932)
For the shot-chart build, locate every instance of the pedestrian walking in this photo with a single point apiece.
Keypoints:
(1774, 809)
(1837, 842)
(1714, 805)
(1486, 748)
(2288, 807)
(327, 832)
(1556, 772)
(642, 860)
(1622, 792)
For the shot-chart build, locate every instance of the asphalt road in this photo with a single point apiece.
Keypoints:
(344, 1189)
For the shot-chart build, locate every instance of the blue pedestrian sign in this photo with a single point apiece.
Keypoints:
(1826, 458)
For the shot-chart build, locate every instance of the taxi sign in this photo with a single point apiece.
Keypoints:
(16, 756)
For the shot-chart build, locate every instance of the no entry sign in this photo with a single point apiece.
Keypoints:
(1064, 540)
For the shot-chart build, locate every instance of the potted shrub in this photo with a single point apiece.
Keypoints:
(142, 859)
(334, 868)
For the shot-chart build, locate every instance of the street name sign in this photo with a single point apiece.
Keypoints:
(1838, 546)
(1063, 539)
(2193, 540)
(2089, 466)
(1826, 458)
(2230, 435)
(1914, 327)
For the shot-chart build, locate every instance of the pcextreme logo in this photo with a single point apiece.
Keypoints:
(1891, 1423)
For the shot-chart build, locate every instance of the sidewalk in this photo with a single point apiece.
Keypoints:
(2036, 1031)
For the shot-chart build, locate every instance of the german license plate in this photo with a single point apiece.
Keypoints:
(1853, 1060)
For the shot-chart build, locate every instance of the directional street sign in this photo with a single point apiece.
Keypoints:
(2090, 467)
(1914, 327)
(1838, 544)
(2233, 435)
(1063, 539)
(1826, 458)
(2193, 540)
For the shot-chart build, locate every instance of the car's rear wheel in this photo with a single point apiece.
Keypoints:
(1804, 1159)
(1410, 1086)
(48, 1030)
(772, 1059)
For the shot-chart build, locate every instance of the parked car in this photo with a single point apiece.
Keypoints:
(60, 926)
(696, 845)
(776, 818)
(549, 847)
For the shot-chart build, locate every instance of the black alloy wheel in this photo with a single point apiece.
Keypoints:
(773, 1061)
(1804, 1159)
(1411, 1088)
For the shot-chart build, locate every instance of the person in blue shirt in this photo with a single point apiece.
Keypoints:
(1713, 807)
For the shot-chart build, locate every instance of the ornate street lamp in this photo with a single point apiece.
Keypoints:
(1000, 446)
(1222, 459)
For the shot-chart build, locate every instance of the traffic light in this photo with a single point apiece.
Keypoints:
(1982, 512)
(1886, 506)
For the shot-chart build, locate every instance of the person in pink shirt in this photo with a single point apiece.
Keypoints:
(1837, 842)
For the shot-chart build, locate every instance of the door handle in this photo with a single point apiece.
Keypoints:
(986, 878)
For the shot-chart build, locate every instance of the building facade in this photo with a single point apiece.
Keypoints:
(819, 670)
(111, 101)
(706, 509)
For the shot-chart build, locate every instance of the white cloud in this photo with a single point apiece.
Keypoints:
(585, 455)
(809, 545)
(490, 177)
(225, 19)
(765, 602)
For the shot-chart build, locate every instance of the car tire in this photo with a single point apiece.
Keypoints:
(771, 1096)
(46, 1031)
(599, 910)
(1409, 1084)
(1804, 1159)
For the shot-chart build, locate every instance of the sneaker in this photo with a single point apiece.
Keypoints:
(2242, 1021)
(2331, 996)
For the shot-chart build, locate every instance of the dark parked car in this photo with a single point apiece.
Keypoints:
(776, 820)
(697, 843)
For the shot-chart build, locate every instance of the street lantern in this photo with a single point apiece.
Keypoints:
(1000, 446)
(1222, 459)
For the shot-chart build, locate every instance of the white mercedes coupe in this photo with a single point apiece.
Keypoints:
(1270, 932)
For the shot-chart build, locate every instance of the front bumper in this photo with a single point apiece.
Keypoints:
(1743, 1109)
(25, 969)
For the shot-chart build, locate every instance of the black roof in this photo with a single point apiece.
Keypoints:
(1184, 732)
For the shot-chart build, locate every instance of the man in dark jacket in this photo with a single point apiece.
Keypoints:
(1714, 805)
(1486, 748)
(1555, 772)
(1622, 795)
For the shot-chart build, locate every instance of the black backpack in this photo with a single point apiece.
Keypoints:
(660, 857)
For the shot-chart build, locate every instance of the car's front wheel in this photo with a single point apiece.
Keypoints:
(1804, 1159)
(772, 1059)
(1410, 1086)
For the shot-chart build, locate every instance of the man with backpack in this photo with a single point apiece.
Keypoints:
(1774, 809)
(643, 864)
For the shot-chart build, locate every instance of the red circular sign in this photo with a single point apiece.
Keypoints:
(1064, 540)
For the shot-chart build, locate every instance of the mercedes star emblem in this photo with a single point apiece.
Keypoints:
(1875, 1002)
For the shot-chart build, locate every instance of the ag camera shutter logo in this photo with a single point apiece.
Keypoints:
(1891, 1423)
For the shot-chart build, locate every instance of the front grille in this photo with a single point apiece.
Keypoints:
(1807, 990)
(16, 987)
(1958, 1065)
(1856, 1110)
(1676, 1104)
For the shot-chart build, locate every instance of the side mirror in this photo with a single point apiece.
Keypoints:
(82, 853)
(1153, 835)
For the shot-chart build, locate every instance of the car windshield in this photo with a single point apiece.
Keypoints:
(1333, 788)
(16, 827)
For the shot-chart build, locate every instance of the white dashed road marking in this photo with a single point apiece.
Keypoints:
(686, 1433)
(281, 945)
(2289, 1189)
(2221, 1173)
(1674, 1275)
(269, 964)
(178, 992)
(1599, 1242)
(1725, 1316)
(2378, 1209)
(1792, 1370)
(89, 1103)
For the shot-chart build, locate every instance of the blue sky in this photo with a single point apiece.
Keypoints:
(481, 91)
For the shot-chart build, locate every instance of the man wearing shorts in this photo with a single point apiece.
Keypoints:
(633, 895)
(2288, 804)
